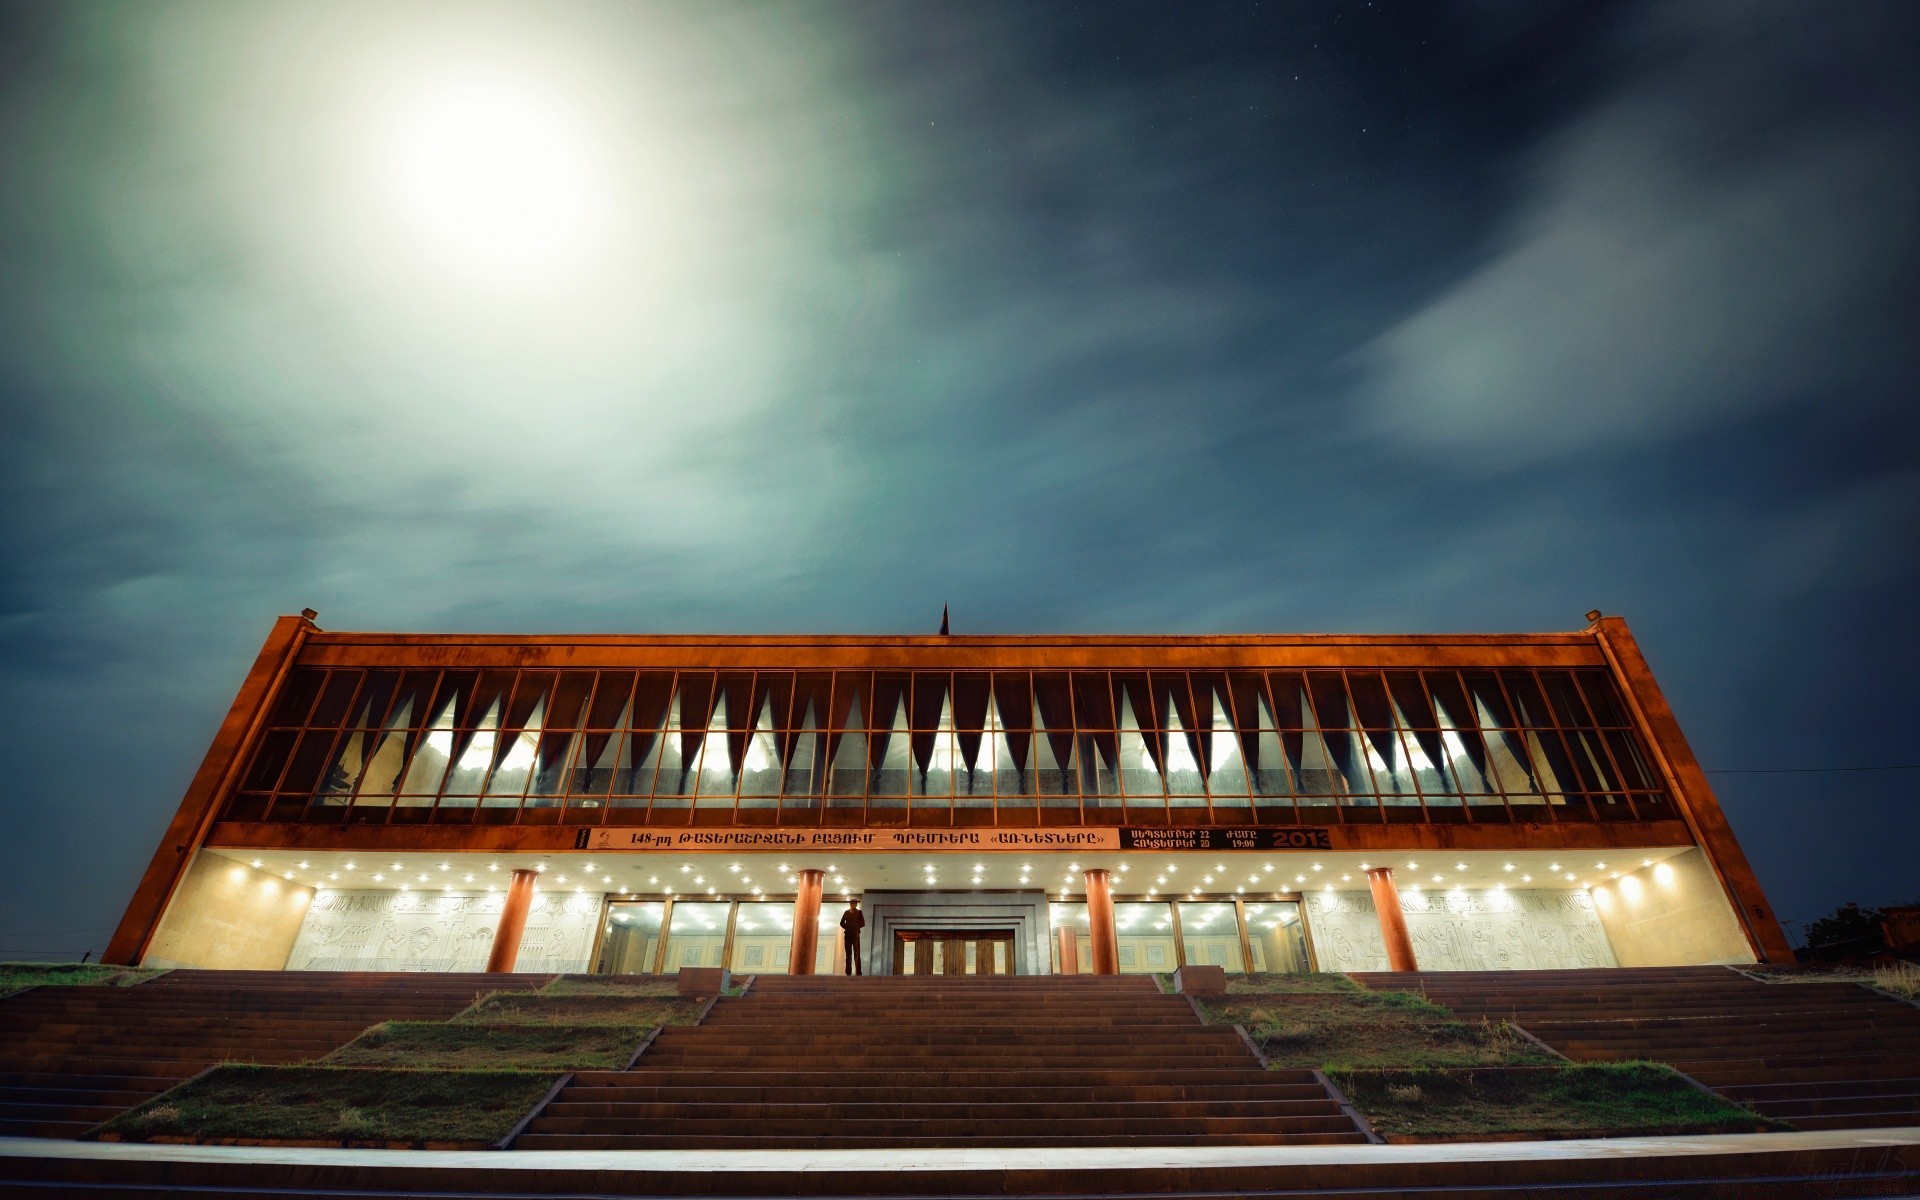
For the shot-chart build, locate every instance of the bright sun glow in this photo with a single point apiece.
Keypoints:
(496, 175)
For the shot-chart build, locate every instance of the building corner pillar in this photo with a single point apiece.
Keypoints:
(1393, 923)
(513, 922)
(1105, 950)
(806, 923)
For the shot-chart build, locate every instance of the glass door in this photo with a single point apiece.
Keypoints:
(631, 941)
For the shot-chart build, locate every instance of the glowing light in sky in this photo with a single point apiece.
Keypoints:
(494, 174)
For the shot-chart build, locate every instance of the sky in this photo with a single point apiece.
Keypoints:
(1078, 318)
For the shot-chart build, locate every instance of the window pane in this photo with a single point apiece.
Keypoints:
(1276, 936)
(696, 933)
(1145, 938)
(1211, 934)
(631, 939)
(296, 698)
(762, 938)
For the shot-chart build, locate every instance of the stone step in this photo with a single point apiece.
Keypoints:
(936, 1106)
(816, 1140)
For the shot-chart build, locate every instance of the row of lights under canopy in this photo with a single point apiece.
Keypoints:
(694, 884)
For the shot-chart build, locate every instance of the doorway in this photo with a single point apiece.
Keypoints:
(953, 952)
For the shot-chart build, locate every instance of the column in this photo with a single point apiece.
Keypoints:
(1393, 923)
(513, 922)
(806, 923)
(1106, 944)
(1069, 950)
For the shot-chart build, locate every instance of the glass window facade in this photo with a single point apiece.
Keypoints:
(1157, 937)
(706, 747)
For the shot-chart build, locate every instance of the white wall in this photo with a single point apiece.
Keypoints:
(228, 916)
(1463, 931)
(1671, 914)
(439, 931)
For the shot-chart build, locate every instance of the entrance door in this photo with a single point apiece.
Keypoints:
(953, 952)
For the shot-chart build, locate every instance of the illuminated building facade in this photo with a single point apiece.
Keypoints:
(1001, 804)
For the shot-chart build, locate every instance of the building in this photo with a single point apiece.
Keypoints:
(1000, 804)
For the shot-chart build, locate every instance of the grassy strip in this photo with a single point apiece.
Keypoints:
(596, 1008)
(1571, 1100)
(612, 985)
(17, 975)
(1900, 978)
(1337, 1030)
(428, 1045)
(328, 1105)
(1271, 983)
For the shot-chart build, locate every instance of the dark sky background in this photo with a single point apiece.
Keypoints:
(1374, 317)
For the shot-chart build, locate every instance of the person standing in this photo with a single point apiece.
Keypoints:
(852, 922)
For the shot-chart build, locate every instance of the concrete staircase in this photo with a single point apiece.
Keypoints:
(1816, 1055)
(925, 1061)
(70, 1057)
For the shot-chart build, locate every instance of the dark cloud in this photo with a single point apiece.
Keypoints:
(1285, 317)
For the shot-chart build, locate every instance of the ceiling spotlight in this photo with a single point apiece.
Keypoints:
(1508, 867)
(1459, 866)
(256, 862)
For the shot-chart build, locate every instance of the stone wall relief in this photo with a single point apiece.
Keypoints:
(1464, 931)
(444, 931)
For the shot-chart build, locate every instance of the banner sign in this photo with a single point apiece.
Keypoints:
(1303, 837)
(1108, 838)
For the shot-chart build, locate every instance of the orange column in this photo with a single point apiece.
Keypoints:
(513, 922)
(806, 923)
(1106, 945)
(1069, 950)
(1393, 923)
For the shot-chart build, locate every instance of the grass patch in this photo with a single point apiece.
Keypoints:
(1347, 1030)
(17, 975)
(1900, 978)
(1273, 983)
(587, 1008)
(612, 985)
(325, 1104)
(427, 1045)
(1571, 1100)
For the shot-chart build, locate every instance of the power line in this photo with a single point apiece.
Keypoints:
(1811, 770)
(55, 932)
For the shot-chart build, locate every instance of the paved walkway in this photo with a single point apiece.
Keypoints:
(1103, 1158)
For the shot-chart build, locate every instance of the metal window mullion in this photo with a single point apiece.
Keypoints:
(666, 936)
(1246, 944)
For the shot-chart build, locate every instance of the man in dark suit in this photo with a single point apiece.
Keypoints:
(852, 922)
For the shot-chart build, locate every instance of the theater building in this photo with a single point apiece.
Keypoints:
(999, 804)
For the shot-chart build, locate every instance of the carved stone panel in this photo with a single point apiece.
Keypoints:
(1464, 931)
(438, 931)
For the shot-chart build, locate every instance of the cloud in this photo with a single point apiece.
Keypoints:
(1724, 233)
